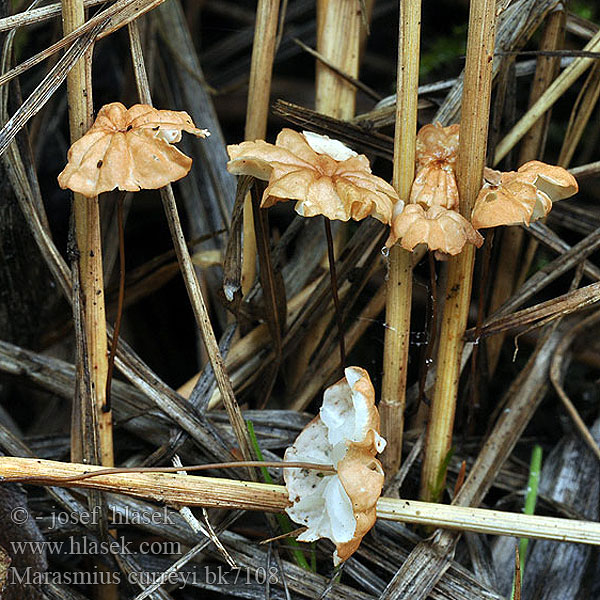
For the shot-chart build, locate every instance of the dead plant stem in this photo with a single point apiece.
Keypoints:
(177, 490)
(471, 161)
(263, 54)
(189, 274)
(88, 236)
(399, 285)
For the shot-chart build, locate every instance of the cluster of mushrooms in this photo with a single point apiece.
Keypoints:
(132, 149)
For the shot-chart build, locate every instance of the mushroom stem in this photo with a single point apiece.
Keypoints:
(193, 490)
(470, 163)
(334, 290)
(399, 285)
(338, 41)
(88, 236)
(261, 69)
(121, 298)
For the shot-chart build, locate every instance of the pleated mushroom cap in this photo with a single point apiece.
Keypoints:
(435, 179)
(445, 231)
(340, 506)
(523, 196)
(323, 176)
(129, 149)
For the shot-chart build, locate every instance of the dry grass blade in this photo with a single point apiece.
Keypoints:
(356, 136)
(107, 21)
(37, 15)
(552, 94)
(232, 264)
(589, 170)
(580, 115)
(271, 282)
(557, 373)
(355, 82)
(548, 238)
(47, 87)
(531, 148)
(229, 493)
(189, 274)
(515, 26)
(546, 311)
(552, 271)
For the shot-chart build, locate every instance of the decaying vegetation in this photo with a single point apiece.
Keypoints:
(195, 327)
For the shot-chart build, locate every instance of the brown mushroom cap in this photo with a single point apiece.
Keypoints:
(446, 231)
(321, 185)
(557, 183)
(129, 149)
(342, 506)
(362, 477)
(522, 196)
(436, 153)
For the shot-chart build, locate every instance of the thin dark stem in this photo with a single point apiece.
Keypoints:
(334, 289)
(473, 404)
(117, 328)
(432, 330)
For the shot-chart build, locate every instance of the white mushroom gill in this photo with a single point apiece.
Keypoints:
(341, 505)
(323, 144)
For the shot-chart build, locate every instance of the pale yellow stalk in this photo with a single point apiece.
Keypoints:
(399, 285)
(470, 163)
(87, 231)
(257, 111)
(212, 492)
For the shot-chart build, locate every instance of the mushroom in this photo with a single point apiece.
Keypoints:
(435, 180)
(339, 506)
(322, 175)
(129, 149)
(446, 231)
(523, 196)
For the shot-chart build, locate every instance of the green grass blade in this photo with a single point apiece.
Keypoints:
(535, 468)
(283, 520)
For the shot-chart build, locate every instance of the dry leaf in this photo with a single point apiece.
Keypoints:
(322, 175)
(129, 149)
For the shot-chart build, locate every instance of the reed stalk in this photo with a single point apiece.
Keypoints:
(257, 111)
(470, 163)
(399, 285)
(88, 236)
(213, 492)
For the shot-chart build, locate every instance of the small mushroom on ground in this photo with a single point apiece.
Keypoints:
(443, 230)
(339, 506)
(322, 175)
(129, 149)
(521, 196)
(435, 179)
